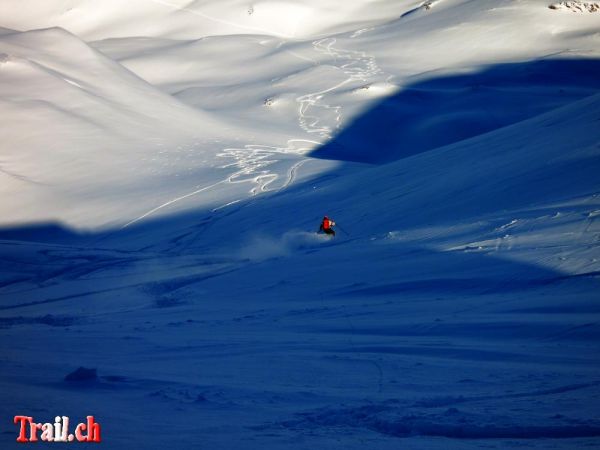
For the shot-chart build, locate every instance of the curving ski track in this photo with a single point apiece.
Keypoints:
(252, 161)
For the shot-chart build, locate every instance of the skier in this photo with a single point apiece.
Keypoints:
(327, 226)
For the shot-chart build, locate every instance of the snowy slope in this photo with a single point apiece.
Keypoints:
(262, 100)
(451, 316)
(184, 19)
(274, 98)
(163, 169)
(83, 136)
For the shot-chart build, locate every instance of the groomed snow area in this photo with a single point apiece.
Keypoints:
(164, 166)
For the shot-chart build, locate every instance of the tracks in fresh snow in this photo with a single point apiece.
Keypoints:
(358, 66)
(263, 166)
(253, 161)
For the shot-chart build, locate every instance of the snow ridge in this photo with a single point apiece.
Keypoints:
(577, 6)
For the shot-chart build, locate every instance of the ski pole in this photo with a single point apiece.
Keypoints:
(343, 231)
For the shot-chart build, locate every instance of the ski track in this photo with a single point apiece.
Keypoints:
(252, 161)
(359, 67)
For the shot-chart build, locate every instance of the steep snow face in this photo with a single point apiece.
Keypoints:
(228, 103)
(526, 178)
(83, 137)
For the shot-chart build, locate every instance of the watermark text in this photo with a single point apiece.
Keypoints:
(31, 431)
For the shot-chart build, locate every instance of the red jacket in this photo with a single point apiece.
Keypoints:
(327, 223)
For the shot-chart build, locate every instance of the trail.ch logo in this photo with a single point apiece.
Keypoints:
(57, 431)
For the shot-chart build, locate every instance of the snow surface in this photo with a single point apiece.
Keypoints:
(164, 166)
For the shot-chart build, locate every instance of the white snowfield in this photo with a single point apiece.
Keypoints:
(165, 164)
